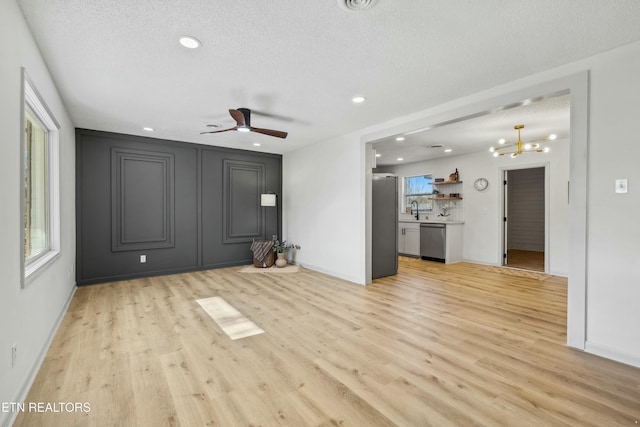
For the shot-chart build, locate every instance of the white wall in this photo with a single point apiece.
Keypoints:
(323, 206)
(28, 316)
(482, 211)
(613, 287)
(601, 224)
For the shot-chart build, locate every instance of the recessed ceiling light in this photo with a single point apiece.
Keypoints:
(148, 129)
(400, 159)
(358, 99)
(400, 138)
(553, 136)
(190, 42)
(448, 150)
(378, 155)
(256, 144)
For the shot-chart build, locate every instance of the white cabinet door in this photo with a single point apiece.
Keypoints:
(402, 241)
(409, 238)
(412, 241)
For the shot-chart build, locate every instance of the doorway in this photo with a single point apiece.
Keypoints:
(525, 205)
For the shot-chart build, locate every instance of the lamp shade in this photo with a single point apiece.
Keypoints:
(267, 200)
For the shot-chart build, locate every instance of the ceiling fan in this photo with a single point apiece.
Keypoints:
(242, 116)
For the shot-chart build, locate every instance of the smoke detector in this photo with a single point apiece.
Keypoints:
(356, 5)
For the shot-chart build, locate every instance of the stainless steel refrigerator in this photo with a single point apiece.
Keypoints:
(384, 220)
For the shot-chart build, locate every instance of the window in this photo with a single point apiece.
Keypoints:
(41, 229)
(36, 188)
(419, 189)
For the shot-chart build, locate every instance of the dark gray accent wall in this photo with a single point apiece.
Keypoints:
(184, 206)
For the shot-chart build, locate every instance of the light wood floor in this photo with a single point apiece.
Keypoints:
(436, 345)
(527, 260)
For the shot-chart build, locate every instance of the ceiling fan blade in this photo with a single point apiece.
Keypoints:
(272, 116)
(218, 131)
(238, 117)
(270, 132)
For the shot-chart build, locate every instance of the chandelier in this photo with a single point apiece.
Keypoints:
(516, 148)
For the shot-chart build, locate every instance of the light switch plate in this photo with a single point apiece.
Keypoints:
(621, 186)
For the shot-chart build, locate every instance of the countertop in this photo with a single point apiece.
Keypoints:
(431, 221)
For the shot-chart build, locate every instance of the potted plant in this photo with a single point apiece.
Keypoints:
(282, 249)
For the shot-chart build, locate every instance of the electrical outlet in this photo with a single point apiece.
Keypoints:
(14, 355)
(143, 259)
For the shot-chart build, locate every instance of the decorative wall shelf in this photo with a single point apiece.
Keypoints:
(449, 203)
(446, 182)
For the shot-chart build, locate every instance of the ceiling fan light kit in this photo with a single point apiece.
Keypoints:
(242, 116)
(517, 148)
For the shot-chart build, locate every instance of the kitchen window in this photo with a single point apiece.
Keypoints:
(40, 203)
(417, 188)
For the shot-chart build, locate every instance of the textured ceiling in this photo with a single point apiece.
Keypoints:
(541, 117)
(119, 67)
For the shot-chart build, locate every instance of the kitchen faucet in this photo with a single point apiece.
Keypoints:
(417, 211)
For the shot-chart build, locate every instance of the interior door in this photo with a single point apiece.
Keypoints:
(524, 219)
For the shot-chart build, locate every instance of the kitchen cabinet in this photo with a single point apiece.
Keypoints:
(453, 251)
(409, 238)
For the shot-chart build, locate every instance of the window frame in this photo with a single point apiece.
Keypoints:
(33, 102)
(405, 205)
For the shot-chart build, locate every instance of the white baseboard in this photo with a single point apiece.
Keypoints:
(613, 354)
(21, 396)
(559, 274)
(330, 273)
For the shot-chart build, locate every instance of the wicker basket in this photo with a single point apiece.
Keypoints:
(268, 262)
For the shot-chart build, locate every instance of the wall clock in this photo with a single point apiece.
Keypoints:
(481, 184)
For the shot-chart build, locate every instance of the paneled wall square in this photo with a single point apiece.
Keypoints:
(243, 218)
(143, 199)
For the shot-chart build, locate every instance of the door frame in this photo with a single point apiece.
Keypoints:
(547, 211)
(572, 80)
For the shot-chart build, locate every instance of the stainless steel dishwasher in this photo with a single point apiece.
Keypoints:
(433, 241)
